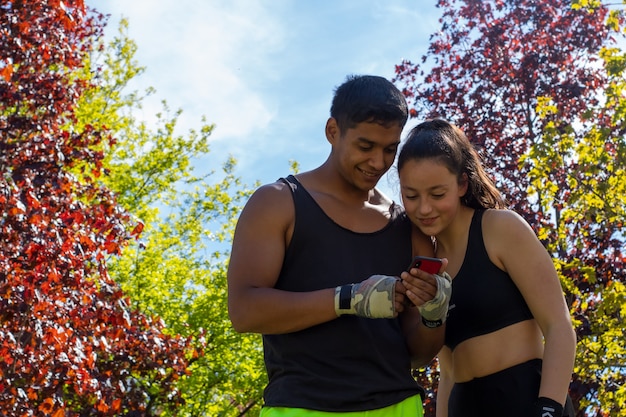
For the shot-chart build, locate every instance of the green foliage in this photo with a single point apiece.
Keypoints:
(596, 199)
(295, 166)
(177, 269)
(585, 4)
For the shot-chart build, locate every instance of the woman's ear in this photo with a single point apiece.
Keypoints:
(463, 185)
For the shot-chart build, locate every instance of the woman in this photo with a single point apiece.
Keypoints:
(509, 345)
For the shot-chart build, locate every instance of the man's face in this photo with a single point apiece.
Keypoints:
(364, 153)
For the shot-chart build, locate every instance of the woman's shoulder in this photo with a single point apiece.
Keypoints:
(503, 217)
(503, 228)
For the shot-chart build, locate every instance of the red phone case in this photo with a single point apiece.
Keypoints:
(430, 265)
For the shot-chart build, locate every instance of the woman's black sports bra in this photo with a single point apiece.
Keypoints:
(484, 297)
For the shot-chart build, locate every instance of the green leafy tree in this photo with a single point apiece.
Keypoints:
(70, 342)
(538, 87)
(177, 270)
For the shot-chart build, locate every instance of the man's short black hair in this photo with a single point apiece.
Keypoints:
(368, 98)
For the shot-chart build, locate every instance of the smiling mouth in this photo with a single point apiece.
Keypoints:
(369, 174)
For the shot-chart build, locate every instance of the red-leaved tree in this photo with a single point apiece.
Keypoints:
(527, 81)
(492, 60)
(69, 344)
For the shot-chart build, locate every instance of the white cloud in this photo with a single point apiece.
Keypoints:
(263, 71)
(205, 58)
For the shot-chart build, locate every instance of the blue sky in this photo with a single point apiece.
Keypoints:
(263, 71)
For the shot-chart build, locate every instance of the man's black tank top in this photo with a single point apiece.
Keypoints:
(484, 297)
(350, 363)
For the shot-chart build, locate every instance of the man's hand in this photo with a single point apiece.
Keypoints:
(373, 298)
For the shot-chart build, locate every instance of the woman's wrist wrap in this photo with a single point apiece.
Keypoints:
(372, 298)
(434, 311)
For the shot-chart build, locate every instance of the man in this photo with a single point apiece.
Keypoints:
(300, 243)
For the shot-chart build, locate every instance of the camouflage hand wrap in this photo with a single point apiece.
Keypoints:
(372, 298)
(434, 311)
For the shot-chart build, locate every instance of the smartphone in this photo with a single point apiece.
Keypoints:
(430, 265)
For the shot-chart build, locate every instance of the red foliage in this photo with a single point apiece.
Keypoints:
(69, 345)
(490, 62)
(493, 59)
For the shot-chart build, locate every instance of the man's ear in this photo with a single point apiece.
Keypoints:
(332, 130)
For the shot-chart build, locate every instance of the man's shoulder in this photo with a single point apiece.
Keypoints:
(271, 195)
(281, 185)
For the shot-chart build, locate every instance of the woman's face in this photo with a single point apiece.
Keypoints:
(431, 194)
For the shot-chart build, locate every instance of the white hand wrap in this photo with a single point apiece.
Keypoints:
(434, 311)
(372, 298)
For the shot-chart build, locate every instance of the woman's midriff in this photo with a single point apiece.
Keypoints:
(486, 354)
